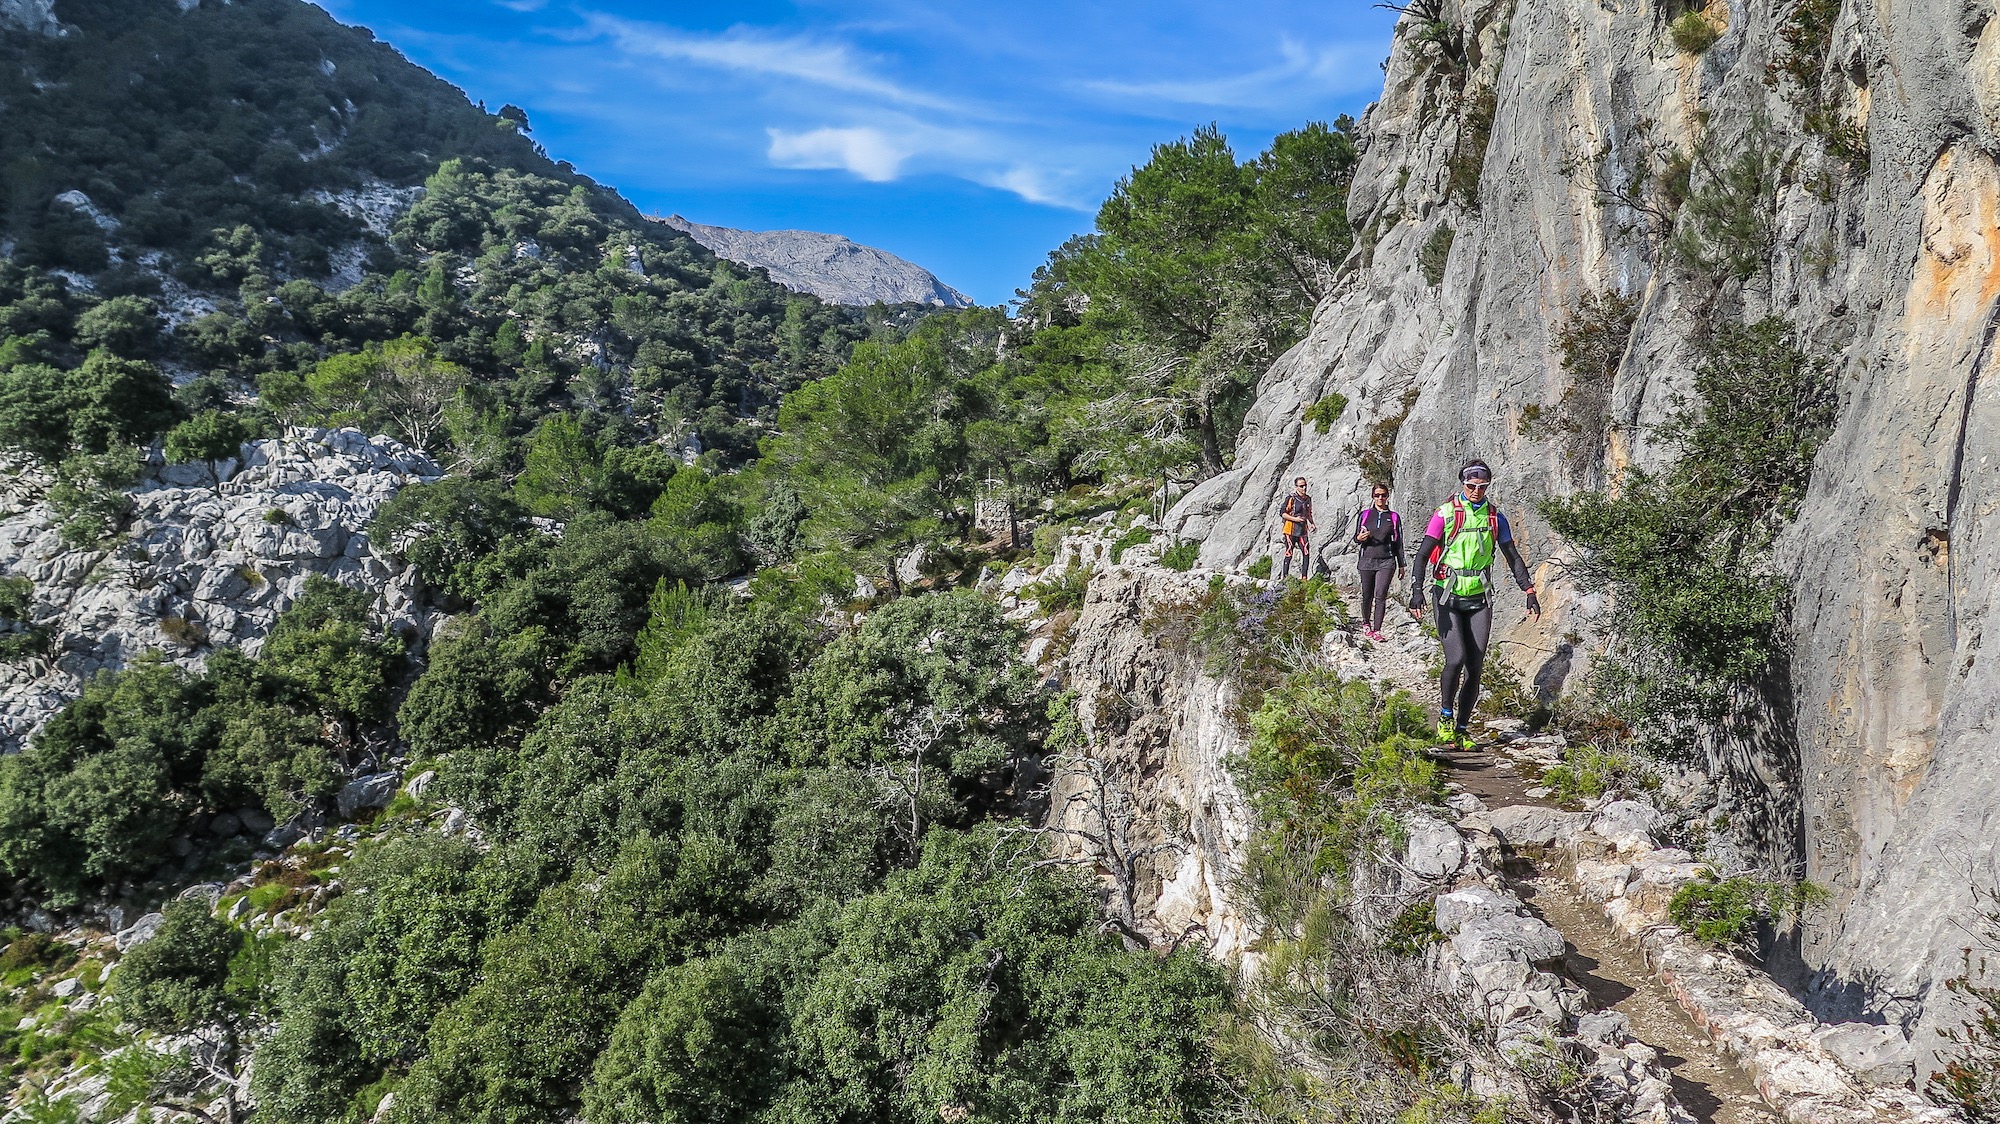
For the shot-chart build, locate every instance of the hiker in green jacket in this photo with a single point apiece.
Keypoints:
(1459, 545)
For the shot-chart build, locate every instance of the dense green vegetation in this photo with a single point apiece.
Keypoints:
(734, 854)
(522, 287)
(124, 768)
(1697, 613)
(771, 842)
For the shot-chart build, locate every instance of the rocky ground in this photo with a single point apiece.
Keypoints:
(203, 561)
(1556, 918)
(1582, 894)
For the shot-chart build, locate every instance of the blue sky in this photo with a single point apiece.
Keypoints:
(969, 138)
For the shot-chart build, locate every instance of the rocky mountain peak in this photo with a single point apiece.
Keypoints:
(829, 266)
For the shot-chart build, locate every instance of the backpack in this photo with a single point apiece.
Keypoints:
(1293, 514)
(1448, 579)
(1395, 522)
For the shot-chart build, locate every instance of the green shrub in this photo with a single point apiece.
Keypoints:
(1261, 568)
(1064, 590)
(1683, 550)
(1800, 68)
(1588, 772)
(278, 517)
(1130, 538)
(1692, 33)
(1375, 454)
(1323, 413)
(1048, 537)
(20, 637)
(185, 631)
(1435, 254)
(1724, 912)
(209, 437)
(1183, 555)
(1592, 342)
(91, 497)
(1727, 227)
(1468, 154)
(177, 980)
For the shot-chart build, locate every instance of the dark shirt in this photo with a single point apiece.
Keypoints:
(1298, 509)
(1383, 549)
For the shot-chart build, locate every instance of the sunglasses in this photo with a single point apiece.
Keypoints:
(1381, 495)
(1478, 483)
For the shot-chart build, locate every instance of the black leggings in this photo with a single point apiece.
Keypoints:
(1464, 633)
(1375, 596)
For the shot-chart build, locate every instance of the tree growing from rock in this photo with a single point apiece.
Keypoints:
(210, 437)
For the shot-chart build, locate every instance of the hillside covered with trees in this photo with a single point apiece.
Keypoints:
(672, 848)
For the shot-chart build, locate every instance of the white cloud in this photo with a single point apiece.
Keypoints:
(868, 153)
(1033, 185)
(749, 51)
(1333, 68)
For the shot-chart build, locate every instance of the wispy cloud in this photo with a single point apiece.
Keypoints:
(1037, 185)
(804, 58)
(842, 112)
(1330, 68)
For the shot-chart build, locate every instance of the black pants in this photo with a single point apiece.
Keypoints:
(1464, 632)
(1305, 552)
(1375, 596)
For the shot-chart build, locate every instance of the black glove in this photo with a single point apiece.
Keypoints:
(1417, 599)
(1534, 604)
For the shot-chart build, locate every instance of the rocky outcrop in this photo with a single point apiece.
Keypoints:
(203, 564)
(1506, 179)
(828, 266)
(1162, 731)
(37, 17)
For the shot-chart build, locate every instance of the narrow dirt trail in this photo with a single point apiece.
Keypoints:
(1712, 1088)
(1706, 1082)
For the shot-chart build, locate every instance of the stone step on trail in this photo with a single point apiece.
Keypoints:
(1706, 1082)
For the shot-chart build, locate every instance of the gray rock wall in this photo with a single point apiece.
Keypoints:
(203, 565)
(1888, 798)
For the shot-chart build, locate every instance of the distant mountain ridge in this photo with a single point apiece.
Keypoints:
(829, 266)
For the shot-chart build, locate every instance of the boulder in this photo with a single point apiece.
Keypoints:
(1628, 824)
(1879, 1055)
(1460, 907)
(420, 784)
(1488, 939)
(1607, 1027)
(256, 821)
(1523, 825)
(363, 793)
(1434, 851)
(141, 931)
(224, 825)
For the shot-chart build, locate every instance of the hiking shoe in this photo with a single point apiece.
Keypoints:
(1463, 740)
(1446, 735)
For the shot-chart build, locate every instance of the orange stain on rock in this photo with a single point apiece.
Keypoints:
(1958, 267)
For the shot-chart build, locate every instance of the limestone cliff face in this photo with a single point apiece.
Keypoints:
(1888, 262)
(203, 563)
(1163, 732)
